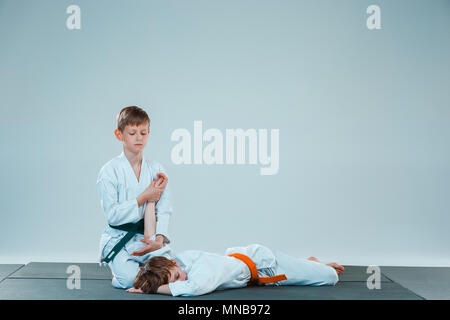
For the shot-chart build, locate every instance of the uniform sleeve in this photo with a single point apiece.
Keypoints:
(185, 288)
(163, 211)
(116, 213)
(189, 288)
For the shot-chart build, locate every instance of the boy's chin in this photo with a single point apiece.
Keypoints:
(135, 148)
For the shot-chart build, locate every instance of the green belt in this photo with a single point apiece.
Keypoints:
(132, 229)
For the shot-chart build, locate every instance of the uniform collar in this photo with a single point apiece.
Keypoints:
(124, 157)
(130, 168)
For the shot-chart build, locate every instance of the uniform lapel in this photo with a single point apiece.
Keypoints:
(130, 170)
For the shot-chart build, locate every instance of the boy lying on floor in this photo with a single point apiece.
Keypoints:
(193, 273)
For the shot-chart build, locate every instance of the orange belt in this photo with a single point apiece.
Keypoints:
(254, 278)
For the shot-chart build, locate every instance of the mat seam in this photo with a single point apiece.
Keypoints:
(7, 277)
(403, 286)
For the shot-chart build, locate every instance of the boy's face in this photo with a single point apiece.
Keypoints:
(134, 138)
(176, 274)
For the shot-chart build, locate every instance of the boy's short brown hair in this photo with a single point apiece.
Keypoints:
(131, 115)
(153, 274)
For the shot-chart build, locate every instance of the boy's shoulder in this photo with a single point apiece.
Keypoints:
(155, 165)
(110, 167)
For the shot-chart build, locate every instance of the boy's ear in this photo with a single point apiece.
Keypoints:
(118, 134)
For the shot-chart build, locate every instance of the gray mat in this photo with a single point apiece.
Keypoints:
(359, 273)
(94, 271)
(55, 289)
(7, 269)
(58, 270)
(428, 282)
(351, 290)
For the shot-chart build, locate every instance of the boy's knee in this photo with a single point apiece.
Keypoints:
(333, 278)
(328, 276)
(124, 271)
(122, 282)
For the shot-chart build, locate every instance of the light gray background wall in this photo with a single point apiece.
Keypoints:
(363, 118)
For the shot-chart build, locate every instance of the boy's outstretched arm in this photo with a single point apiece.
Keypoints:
(149, 231)
(149, 220)
(163, 208)
(164, 289)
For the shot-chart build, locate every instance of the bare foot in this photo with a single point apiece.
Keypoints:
(339, 269)
(314, 259)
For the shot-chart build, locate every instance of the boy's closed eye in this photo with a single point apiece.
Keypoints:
(142, 133)
(177, 275)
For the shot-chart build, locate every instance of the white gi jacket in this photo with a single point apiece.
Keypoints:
(207, 272)
(118, 188)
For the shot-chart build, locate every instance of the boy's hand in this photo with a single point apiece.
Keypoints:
(161, 181)
(134, 290)
(152, 192)
(156, 188)
(150, 246)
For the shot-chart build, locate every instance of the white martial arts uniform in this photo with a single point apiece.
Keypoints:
(207, 272)
(118, 189)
